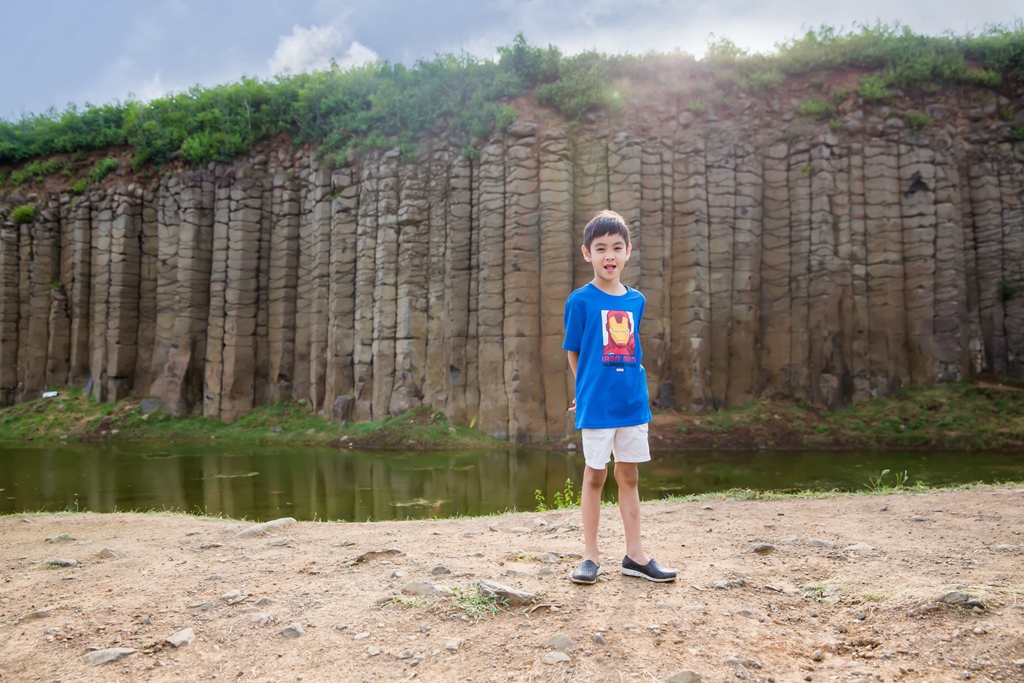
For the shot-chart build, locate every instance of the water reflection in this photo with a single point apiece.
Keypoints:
(315, 483)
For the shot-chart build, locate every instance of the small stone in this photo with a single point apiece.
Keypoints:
(687, 676)
(107, 554)
(918, 518)
(404, 654)
(182, 637)
(547, 558)
(513, 597)
(292, 631)
(540, 521)
(519, 530)
(562, 642)
(555, 658)
(453, 644)
(233, 597)
(260, 618)
(764, 549)
(38, 614)
(373, 651)
(111, 654)
(424, 588)
(979, 631)
(821, 543)
(62, 562)
(440, 570)
(599, 639)
(201, 606)
(954, 598)
(361, 636)
(749, 614)
(721, 585)
(207, 546)
(263, 602)
(265, 528)
(816, 656)
(279, 542)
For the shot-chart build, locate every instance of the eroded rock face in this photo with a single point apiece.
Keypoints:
(832, 265)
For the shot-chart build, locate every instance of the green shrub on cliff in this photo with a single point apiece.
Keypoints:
(23, 214)
(102, 169)
(462, 98)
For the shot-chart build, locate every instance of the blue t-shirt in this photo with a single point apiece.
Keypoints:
(611, 384)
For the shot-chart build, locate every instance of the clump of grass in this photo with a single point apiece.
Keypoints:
(472, 603)
(1017, 134)
(880, 485)
(917, 120)
(816, 108)
(23, 214)
(566, 498)
(102, 169)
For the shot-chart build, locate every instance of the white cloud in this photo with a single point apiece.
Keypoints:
(152, 88)
(313, 48)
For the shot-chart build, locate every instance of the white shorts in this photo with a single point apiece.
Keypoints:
(628, 444)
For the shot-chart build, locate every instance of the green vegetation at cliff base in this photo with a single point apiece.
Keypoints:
(72, 415)
(981, 414)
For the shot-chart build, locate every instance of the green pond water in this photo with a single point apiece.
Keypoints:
(266, 482)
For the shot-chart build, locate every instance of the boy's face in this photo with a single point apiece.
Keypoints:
(608, 254)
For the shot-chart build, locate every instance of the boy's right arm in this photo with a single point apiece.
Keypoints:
(574, 357)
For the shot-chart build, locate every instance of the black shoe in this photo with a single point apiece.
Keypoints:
(650, 571)
(586, 573)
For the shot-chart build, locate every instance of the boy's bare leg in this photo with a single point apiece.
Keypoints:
(590, 507)
(628, 478)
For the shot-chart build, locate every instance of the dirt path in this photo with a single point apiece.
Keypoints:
(843, 588)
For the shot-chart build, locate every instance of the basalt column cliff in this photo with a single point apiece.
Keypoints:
(831, 262)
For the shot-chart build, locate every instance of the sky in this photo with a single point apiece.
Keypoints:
(59, 52)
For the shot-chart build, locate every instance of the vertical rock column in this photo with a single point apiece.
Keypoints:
(281, 288)
(1011, 182)
(559, 248)
(437, 374)
(341, 310)
(521, 331)
(655, 279)
(745, 339)
(385, 286)
(366, 273)
(123, 307)
(179, 384)
(988, 235)
(79, 289)
(625, 162)
(102, 222)
(690, 294)
(40, 256)
(214, 366)
(58, 350)
(721, 194)
(302, 334)
(494, 410)
(411, 294)
(458, 277)
(149, 245)
(261, 374)
(590, 177)
(319, 265)
(951, 322)
(10, 304)
(241, 300)
(860, 368)
(800, 170)
(884, 235)
(776, 269)
(917, 206)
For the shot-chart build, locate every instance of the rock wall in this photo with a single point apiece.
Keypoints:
(831, 262)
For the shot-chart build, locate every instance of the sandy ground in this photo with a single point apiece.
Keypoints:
(834, 589)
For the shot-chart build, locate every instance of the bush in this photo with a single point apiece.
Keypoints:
(918, 121)
(102, 169)
(816, 108)
(25, 213)
(1017, 134)
(79, 186)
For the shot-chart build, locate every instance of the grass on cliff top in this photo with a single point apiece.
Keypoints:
(463, 99)
(73, 415)
(978, 415)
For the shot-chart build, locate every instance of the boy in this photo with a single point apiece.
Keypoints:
(602, 320)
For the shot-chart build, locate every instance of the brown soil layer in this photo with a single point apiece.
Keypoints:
(842, 588)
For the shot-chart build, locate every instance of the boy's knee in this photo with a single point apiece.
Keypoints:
(594, 478)
(626, 474)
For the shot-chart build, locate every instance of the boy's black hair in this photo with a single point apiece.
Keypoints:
(605, 223)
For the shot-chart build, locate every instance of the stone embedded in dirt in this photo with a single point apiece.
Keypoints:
(816, 656)
(453, 644)
(821, 543)
(111, 654)
(233, 596)
(519, 530)
(404, 654)
(386, 600)
(361, 636)
(373, 651)
(687, 676)
(547, 558)
(182, 637)
(555, 658)
(599, 639)
(954, 598)
(207, 546)
(1006, 548)
(859, 547)
(440, 570)
(424, 588)
(107, 554)
(279, 542)
(560, 641)
(513, 597)
(377, 555)
(764, 549)
(38, 614)
(292, 630)
(201, 606)
(263, 602)
(62, 562)
(260, 619)
(540, 521)
(918, 518)
(265, 527)
(749, 614)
